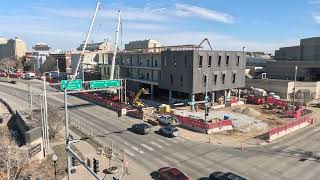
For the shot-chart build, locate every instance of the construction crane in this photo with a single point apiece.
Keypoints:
(205, 40)
(136, 101)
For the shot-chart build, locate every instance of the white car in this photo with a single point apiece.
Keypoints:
(166, 119)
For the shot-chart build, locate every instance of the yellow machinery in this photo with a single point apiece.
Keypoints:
(136, 101)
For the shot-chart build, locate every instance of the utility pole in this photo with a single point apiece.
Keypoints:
(115, 46)
(46, 113)
(294, 86)
(30, 95)
(206, 102)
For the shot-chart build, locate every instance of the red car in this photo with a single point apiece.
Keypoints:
(167, 173)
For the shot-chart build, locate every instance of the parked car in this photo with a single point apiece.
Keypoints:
(167, 173)
(141, 128)
(225, 176)
(166, 119)
(169, 131)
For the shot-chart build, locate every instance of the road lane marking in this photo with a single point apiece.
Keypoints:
(137, 149)
(147, 147)
(164, 142)
(128, 152)
(158, 145)
(180, 138)
(274, 147)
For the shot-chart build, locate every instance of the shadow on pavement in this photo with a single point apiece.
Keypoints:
(204, 178)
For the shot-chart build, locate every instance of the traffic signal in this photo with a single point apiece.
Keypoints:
(73, 161)
(95, 165)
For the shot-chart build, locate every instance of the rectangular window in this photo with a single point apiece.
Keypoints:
(156, 63)
(181, 80)
(227, 60)
(185, 61)
(171, 79)
(108, 71)
(219, 61)
(105, 70)
(209, 61)
(238, 60)
(174, 61)
(204, 80)
(200, 61)
(215, 79)
(223, 78)
(148, 75)
(148, 62)
(234, 78)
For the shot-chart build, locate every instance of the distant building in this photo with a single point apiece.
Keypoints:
(144, 45)
(40, 52)
(306, 57)
(12, 48)
(308, 50)
(63, 59)
(94, 47)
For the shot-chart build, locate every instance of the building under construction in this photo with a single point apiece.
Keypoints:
(181, 72)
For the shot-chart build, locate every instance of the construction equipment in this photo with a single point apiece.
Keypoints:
(136, 100)
(205, 40)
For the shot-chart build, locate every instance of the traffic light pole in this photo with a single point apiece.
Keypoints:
(69, 142)
(67, 133)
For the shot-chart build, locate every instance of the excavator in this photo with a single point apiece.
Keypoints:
(136, 101)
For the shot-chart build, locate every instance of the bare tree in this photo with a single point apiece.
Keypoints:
(55, 122)
(7, 62)
(13, 159)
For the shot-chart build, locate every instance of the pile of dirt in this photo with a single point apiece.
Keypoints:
(247, 110)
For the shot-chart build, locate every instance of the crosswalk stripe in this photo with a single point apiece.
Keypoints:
(128, 152)
(180, 139)
(158, 145)
(274, 147)
(164, 142)
(137, 149)
(169, 139)
(147, 147)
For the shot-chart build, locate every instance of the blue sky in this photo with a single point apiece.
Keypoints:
(229, 24)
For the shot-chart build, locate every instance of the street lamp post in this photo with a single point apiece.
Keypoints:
(58, 68)
(54, 160)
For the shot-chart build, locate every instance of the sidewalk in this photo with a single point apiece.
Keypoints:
(88, 151)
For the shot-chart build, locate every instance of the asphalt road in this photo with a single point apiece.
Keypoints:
(293, 157)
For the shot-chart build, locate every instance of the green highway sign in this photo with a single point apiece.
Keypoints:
(72, 85)
(104, 84)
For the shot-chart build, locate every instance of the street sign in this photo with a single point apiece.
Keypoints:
(104, 84)
(72, 84)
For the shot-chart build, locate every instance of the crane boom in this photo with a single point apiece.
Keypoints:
(205, 40)
(86, 42)
(115, 46)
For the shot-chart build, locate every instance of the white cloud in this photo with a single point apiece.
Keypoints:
(317, 19)
(189, 10)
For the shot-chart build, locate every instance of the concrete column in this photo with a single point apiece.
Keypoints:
(152, 92)
(239, 92)
(225, 96)
(192, 101)
(170, 97)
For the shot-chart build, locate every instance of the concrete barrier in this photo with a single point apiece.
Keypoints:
(290, 127)
(202, 127)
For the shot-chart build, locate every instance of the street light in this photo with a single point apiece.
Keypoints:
(54, 160)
